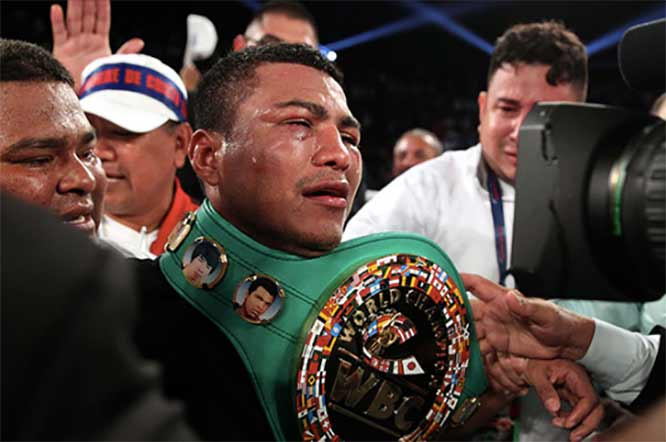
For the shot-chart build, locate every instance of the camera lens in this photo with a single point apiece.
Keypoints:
(627, 208)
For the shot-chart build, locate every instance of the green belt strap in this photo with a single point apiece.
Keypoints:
(270, 350)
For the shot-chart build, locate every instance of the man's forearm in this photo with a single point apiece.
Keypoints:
(581, 332)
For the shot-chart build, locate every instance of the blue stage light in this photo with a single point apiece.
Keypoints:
(382, 31)
(441, 18)
(402, 25)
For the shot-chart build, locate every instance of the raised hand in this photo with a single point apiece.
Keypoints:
(84, 35)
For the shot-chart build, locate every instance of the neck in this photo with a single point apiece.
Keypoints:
(266, 239)
(150, 219)
(485, 168)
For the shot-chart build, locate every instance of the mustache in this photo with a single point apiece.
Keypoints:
(323, 175)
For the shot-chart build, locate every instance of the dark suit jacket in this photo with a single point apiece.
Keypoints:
(70, 370)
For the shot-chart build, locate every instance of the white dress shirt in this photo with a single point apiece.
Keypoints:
(129, 242)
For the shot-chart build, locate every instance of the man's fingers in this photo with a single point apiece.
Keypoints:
(518, 305)
(132, 46)
(74, 22)
(482, 288)
(513, 367)
(89, 16)
(574, 386)
(568, 396)
(545, 390)
(580, 411)
(485, 347)
(103, 23)
(502, 377)
(478, 308)
(494, 385)
(538, 312)
(584, 402)
(589, 424)
(58, 25)
(480, 329)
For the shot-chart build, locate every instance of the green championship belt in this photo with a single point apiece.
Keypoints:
(371, 341)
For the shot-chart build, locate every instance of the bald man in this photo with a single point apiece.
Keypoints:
(414, 146)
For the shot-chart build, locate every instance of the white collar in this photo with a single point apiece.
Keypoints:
(128, 241)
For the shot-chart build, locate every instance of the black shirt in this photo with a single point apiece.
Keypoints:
(201, 366)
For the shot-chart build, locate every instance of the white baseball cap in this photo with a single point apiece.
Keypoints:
(134, 91)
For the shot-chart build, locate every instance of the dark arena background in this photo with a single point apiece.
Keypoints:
(406, 64)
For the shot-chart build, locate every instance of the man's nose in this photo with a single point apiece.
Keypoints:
(517, 122)
(332, 150)
(77, 178)
(515, 128)
(411, 161)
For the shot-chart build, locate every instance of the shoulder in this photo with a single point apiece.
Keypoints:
(449, 169)
(453, 161)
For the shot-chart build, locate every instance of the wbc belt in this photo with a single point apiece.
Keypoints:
(373, 340)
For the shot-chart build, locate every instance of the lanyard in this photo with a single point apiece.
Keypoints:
(495, 192)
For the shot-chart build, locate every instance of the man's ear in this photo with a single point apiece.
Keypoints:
(205, 153)
(239, 43)
(482, 100)
(183, 136)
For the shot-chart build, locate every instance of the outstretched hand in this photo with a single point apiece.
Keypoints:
(84, 35)
(508, 322)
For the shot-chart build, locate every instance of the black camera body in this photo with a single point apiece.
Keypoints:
(590, 203)
(590, 211)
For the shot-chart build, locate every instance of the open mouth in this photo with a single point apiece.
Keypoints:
(331, 194)
(80, 218)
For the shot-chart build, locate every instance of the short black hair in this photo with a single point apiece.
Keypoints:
(233, 78)
(270, 286)
(208, 252)
(291, 9)
(23, 61)
(549, 43)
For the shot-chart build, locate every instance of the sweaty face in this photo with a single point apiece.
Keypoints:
(411, 150)
(257, 303)
(291, 165)
(512, 92)
(47, 152)
(275, 27)
(140, 169)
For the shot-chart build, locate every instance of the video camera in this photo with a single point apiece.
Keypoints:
(590, 210)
